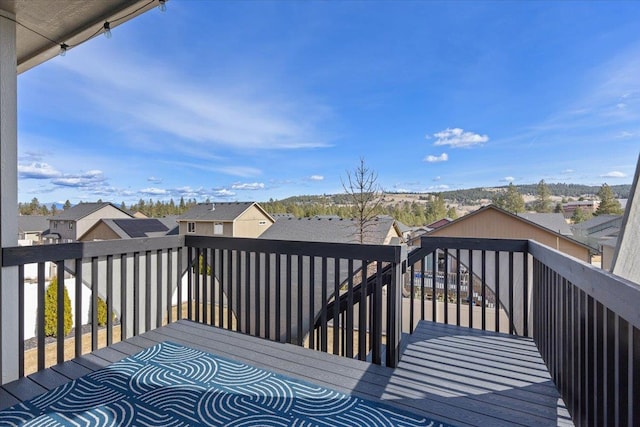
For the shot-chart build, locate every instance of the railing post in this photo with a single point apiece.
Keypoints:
(394, 307)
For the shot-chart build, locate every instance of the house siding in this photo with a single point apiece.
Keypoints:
(248, 223)
(100, 232)
(493, 224)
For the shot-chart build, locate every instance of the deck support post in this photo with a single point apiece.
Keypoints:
(9, 309)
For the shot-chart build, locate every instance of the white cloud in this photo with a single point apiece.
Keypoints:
(241, 171)
(456, 138)
(248, 186)
(614, 174)
(435, 159)
(568, 171)
(437, 178)
(209, 115)
(508, 179)
(621, 105)
(316, 177)
(224, 193)
(154, 180)
(84, 180)
(37, 170)
(625, 134)
(439, 187)
(154, 191)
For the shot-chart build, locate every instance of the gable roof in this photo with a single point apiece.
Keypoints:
(329, 229)
(519, 218)
(224, 211)
(598, 222)
(129, 228)
(552, 221)
(81, 210)
(28, 223)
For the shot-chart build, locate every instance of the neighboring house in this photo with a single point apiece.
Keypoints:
(494, 223)
(551, 221)
(70, 224)
(587, 206)
(627, 253)
(230, 219)
(31, 229)
(332, 229)
(416, 234)
(130, 228)
(600, 233)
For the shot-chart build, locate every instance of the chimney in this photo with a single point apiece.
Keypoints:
(213, 207)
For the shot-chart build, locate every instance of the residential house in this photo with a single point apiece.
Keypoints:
(229, 219)
(601, 234)
(70, 224)
(439, 223)
(130, 228)
(384, 230)
(492, 222)
(587, 206)
(31, 229)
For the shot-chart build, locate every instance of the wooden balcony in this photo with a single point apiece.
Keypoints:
(514, 331)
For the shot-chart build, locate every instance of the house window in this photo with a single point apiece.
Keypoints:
(217, 228)
(70, 226)
(262, 222)
(191, 227)
(55, 224)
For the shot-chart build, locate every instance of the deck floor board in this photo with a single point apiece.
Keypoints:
(457, 375)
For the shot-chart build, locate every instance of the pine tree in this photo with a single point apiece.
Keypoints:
(579, 215)
(66, 205)
(436, 208)
(51, 310)
(511, 201)
(543, 198)
(609, 205)
(451, 213)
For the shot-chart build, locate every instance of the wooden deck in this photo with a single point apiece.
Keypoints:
(457, 375)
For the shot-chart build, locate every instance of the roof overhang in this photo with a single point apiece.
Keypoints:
(43, 25)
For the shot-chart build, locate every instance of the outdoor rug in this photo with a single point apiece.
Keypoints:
(173, 385)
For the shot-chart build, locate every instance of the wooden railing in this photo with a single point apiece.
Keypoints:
(348, 299)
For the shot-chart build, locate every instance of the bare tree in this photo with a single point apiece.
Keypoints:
(365, 195)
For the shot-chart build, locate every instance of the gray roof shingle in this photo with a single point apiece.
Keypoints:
(327, 229)
(552, 221)
(226, 211)
(81, 210)
(28, 223)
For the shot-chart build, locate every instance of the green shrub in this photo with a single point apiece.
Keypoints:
(102, 312)
(51, 310)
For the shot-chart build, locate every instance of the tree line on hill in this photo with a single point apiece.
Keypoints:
(429, 208)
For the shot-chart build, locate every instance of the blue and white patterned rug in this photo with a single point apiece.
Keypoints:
(173, 385)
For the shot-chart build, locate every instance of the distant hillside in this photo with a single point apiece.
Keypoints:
(561, 190)
(474, 195)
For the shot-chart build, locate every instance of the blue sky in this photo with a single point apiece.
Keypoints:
(258, 100)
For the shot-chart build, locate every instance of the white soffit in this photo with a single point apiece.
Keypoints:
(63, 21)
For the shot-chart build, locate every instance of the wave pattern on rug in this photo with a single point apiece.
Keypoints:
(174, 385)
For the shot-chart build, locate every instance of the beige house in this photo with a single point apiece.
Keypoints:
(494, 223)
(130, 228)
(69, 225)
(230, 219)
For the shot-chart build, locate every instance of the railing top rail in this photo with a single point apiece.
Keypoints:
(57, 252)
(384, 253)
(431, 243)
(616, 293)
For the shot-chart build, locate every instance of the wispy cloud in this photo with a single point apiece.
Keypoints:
(435, 159)
(614, 174)
(248, 186)
(153, 191)
(252, 117)
(568, 171)
(241, 171)
(508, 179)
(86, 180)
(457, 138)
(154, 179)
(37, 170)
(316, 177)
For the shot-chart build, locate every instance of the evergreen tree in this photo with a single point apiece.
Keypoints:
(511, 201)
(609, 205)
(451, 213)
(436, 208)
(579, 215)
(51, 310)
(66, 205)
(543, 198)
(559, 208)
